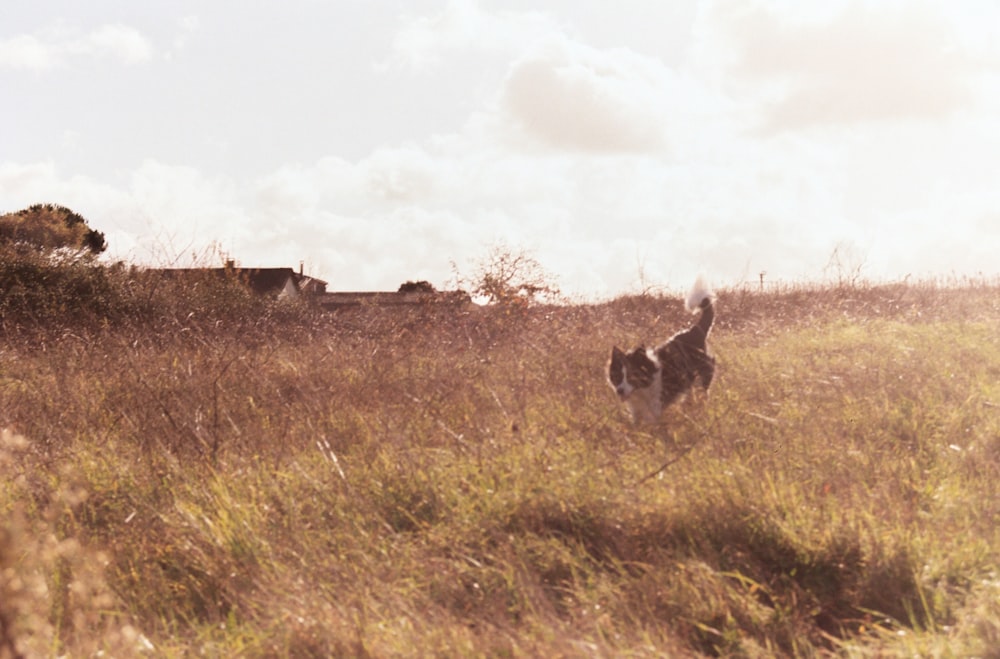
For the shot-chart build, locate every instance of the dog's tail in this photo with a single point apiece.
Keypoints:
(700, 297)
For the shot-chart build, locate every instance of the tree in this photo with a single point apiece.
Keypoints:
(50, 227)
(507, 275)
(421, 286)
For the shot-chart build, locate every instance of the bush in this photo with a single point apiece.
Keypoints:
(55, 292)
(49, 227)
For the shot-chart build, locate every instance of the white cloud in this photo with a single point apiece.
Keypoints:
(851, 62)
(22, 185)
(117, 41)
(571, 96)
(191, 211)
(27, 52)
(57, 47)
(556, 90)
(19, 182)
(404, 174)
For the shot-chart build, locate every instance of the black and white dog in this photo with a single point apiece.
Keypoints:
(647, 380)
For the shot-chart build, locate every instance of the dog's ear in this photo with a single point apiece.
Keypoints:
(616, 353)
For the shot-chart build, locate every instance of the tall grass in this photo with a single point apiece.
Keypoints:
(211, 474)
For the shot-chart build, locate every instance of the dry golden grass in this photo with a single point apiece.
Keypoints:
(211, 475)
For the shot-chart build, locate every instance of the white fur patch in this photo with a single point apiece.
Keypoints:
(645, 402)
(699, 292)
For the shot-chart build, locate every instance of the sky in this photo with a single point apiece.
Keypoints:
(624, 146)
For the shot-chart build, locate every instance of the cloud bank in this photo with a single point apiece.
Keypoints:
(58, 47)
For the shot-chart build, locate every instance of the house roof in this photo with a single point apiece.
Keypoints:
(260, 280)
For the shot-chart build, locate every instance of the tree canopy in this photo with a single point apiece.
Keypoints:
(421, 286)
(507, 274)
(50, 227)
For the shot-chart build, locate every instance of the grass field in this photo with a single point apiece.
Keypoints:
(241, 480)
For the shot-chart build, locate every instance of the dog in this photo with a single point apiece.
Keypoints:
(648, 380)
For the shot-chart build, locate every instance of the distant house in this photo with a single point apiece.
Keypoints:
(287, 284)
(344, 300)
(277, 282)
(310, 285)
(281, 283)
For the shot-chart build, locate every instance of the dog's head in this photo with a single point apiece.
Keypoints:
(628, 371)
